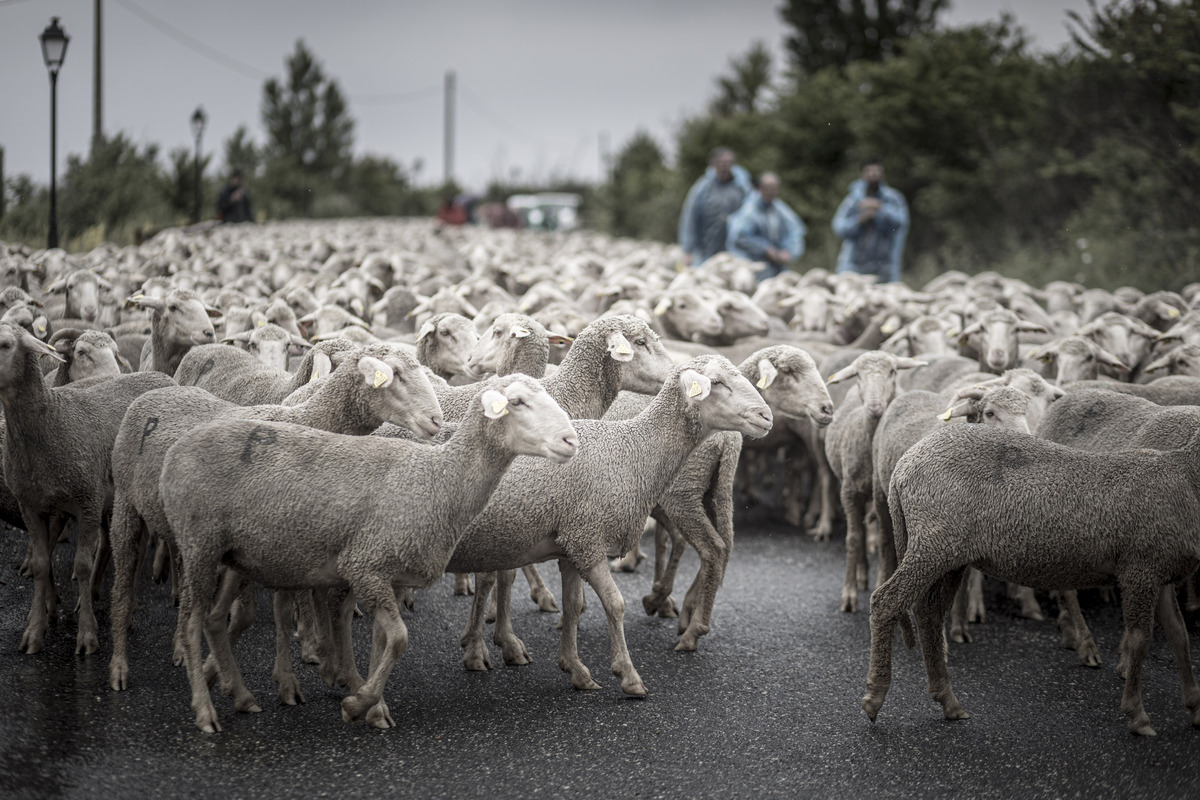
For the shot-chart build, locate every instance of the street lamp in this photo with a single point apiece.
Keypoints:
(198, 120)
(54, 50)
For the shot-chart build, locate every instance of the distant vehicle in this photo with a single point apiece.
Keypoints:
(547, 211)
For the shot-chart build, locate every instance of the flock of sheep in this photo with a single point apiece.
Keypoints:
(478, 401)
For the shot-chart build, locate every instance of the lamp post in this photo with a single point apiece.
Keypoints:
(54, 50)
(198, 120)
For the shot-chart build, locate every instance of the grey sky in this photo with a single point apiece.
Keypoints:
(539, 80)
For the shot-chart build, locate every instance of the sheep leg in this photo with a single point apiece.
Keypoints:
(693, 526)
(462, 584)
(241, 617)
(125, 533)
(887, 537)
(1192, 604)
(958, 614)
(931, 626)
(389, 641)
(1029, 604)
(568, 651)
(100, 562)
(289, 687)
(976, 611)
(159, 570)
(197, 596)
(306, 627)
(475, 650)
(43, 581)
(601, 581)
(221, 645)
(659, 600)
(855, 548)
(1138, 601)
(325, 641)
(826, 487)
(888, 603)
(1080, 636)
(86, 638)
(178, 654)
(539, 592)
(341, 608)
(1171, 619)
(514, 650)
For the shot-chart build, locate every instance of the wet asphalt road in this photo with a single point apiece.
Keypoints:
(768, 706)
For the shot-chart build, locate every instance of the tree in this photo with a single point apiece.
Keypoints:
(639, 198)
(180, 183)
(309, 133)
(741, 91)
(839, 32)
(117, 185)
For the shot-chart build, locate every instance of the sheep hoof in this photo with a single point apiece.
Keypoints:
(178, 656)
(328, 674)
(86, 642)
(687, 644)
(408, 598)
(516, 654)
(821, 533)
(955, 713)
(669, 609)
(380, 717)
(1141, 726)
(245, 704)
(476, 657)
(118, 677)
(545, 601)
(634, 687)
(289, 691)
(354, 706)
(849, 600)
(462, 584)
(1032, 613)
(871, 706)
(31, 640)
(960, 636)
(206, 720)
(1089, 655)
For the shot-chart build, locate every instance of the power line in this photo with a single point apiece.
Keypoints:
(192, 43)
(495, 119)
(391, 98)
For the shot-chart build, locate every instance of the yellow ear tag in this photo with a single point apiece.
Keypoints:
(498, 407)
(762, 382)
(662, 307)
(888, 328)
(138, 297)
(1172, 312)
(695, 389)
(945, 416)
(623, 350)
(41, 328)
(380, 379)
(262, 322)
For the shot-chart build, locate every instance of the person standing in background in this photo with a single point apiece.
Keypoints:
(233, 203)
(872, 223)
(765, 229)
(715, 195)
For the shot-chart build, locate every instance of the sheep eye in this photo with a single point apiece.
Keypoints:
(173, 309)
(516, 402)
(443, 333)
(989, 414)
(496, 333)
(640, 342)
(1091, 358)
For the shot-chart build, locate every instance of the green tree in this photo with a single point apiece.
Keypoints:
(838, 32)
(743, 90)
(118, 185)
(641, 199)
(309, 133)
(180, 183)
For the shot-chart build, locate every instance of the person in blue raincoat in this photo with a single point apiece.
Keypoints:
(717, 194)
(872, 223)
(764, 229)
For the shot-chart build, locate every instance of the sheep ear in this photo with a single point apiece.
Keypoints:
(356, 305)
(1109, 359)
(561, 341)
(59, 286)
(322, 365)
(1025, 326)
(242, 338)
(41, 325)
(64, 340)
(144, 302)
(962, 409)
(360, 323)
(426, 329)
(215, 313)
(1044, 354)
(890, 325)
(307, 319)
(1159, 363)
(1169, 337)
(519, 332)
(696, 385)
(1055, 392)
(663, 307)
(297, 341)
(38, 346)
(376, 373)
(969, 331)
(766, 373)
(495, 404)
(843, 374)
(618, 347)
(125, 366)
(909, 363)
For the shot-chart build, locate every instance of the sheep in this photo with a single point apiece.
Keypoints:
(1183, 360)
(56, 460)
(1103, 525)
(848, 448)
(1076, 359)
(31, 319)
(241, 378)
(179, 321)
(85, 354)
(513, 343)
(371, 386)
(386, 519)
(993, 339)
(444, 344)
(330, 318)
(1127, 338)
(790, 383)
(1173, 390)
(686, 314)
(270, 344)
(599, 503)
(82, 289)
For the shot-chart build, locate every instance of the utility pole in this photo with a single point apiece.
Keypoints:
(97, 82)
(1, 182)
(448, 126)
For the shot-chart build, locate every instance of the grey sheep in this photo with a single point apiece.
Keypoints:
(230, 493)
(444, 344)
(56, 459)
(1076, 358)
(179, 321)
(848, 448)
(993, 339)
(1126, 519)
(269, 343)
(239, 377)
(85, 354)
(1182, 360)
(1173, 390)
(595, 508)
(371, 386)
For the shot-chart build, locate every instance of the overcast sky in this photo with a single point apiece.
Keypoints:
(540, 82)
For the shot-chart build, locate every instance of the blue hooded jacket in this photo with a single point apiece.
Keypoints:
(748, 230)
(891, 224)
(691, 222)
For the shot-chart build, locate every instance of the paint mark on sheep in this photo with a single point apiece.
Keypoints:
(1010, 457)
(259, 436)
(205, 368)
(1096, 409)
(149, 428)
